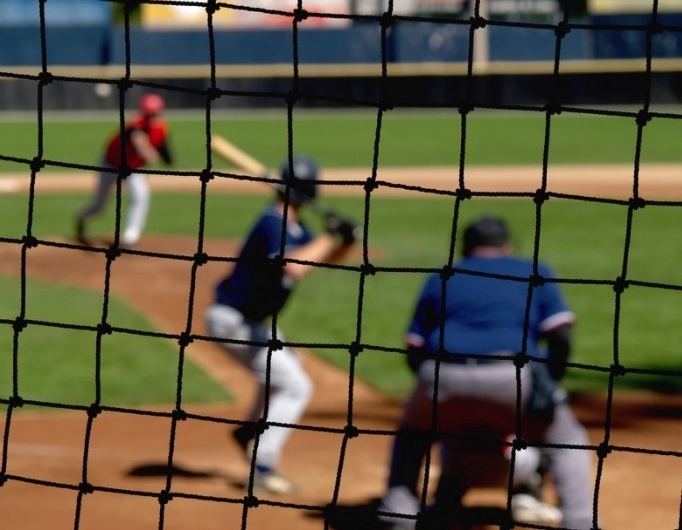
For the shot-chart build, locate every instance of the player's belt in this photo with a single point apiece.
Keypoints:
(463, 359)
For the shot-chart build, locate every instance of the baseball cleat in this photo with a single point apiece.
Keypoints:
(244, 436)
(273, 482)
(527, 509)
(80, 233)
(398, 525)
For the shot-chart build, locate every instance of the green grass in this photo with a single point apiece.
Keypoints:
(56, 364)
(407, 138)
(583, 241)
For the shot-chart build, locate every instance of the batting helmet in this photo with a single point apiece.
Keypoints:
(302, 182)
(488, 231)
(151, 104)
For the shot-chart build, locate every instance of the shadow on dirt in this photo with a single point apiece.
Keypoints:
(355, 516)
(162, 470)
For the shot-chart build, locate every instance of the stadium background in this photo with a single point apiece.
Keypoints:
(340, 58)
(87, 46)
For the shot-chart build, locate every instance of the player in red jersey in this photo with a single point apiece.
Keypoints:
(144, 141)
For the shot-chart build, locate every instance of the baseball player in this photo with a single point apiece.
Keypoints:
(466, 328)
(144, 141)
(277, 253)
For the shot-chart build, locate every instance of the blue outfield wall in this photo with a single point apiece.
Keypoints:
(67, 46)
(358, 44)
(621, 37)
(56, 12)
(81, 33)
(408, 42)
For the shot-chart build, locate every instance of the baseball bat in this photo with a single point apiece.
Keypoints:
(237, 157)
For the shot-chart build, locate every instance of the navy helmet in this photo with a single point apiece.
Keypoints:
(302, 181)
(487, 231)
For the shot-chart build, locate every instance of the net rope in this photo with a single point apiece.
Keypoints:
(292, 100)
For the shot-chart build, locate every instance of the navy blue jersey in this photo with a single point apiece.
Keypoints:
(485, 315)
(257, 287)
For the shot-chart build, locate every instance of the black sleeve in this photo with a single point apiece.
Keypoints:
(415, 357)
(559, 347)
(165, 153)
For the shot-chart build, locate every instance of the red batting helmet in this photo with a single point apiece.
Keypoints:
(151, 104)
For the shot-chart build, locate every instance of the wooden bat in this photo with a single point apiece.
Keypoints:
(238, 158)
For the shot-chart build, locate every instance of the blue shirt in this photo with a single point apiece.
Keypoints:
(487, 315)
(256, 286)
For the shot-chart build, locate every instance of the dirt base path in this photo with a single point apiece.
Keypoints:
(639, 488)
(654, 181)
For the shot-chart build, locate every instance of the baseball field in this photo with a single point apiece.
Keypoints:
(587, 230)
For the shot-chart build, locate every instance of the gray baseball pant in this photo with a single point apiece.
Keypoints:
(470, 395)
(139, 193)
(289, 389)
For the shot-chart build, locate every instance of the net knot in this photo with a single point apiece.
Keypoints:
(300, 15)
(368, 269)
(19, 324)
(643, 117)
(29, 241)
(211, 7)
(200, 258)
(94, 410)
(370, 185)
(113, 252)
(260, 426)
(355, 349)
(185, 339)
(540, 196)
(37, 164)
(603, 450)
(463, 193)
(250, 501)
(104, 329)
(275, 345)
(86, 488)
(124, 172)
(618, 370)
(620, 285)
(465, 108)
(276, 262)
(386, 104)
(636, 203)
(478, 22)
(386, 20)
(206, 176)
(446, 273)
(179, 415)
(16, 402)
(45, 78)
(521, 359)
(562, 29)
(213, 93)
(351, 431)
(165, 497)
(520, 444)
(654, 28)
(124, 84)
(553, 107)
(537, 280)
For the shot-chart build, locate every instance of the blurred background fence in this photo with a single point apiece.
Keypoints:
(341, 51)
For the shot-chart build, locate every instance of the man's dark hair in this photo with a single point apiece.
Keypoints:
(487, 231)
